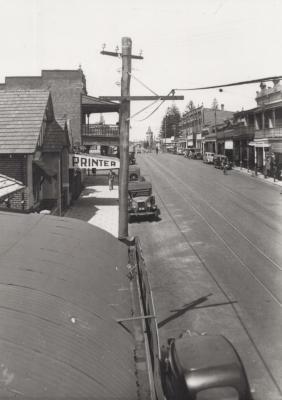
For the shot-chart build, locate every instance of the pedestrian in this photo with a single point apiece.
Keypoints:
(157, 150)
(275, 169)
(111, 177)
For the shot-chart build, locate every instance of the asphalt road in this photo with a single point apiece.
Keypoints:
(215, 261)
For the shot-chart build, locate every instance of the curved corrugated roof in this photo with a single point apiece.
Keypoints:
(62, 284)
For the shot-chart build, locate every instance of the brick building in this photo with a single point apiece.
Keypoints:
(72, 103)
(34, 150)
(197, 126)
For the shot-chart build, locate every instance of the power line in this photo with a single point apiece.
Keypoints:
(272, 78)
(143, 84)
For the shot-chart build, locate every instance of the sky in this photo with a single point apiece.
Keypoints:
(185, 44)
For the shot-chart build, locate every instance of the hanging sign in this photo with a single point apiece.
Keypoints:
(228, 144)
(85, 161)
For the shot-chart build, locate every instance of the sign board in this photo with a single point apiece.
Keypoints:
(85, 161)
(228, 144)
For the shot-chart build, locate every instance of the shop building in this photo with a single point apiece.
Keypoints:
(196, 125)
(257, 132)
(34, 150)
(71, 102)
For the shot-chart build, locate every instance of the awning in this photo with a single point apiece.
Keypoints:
(45, 168)
(92, 104)
(259, 144)
(9, 186)
(276, 147)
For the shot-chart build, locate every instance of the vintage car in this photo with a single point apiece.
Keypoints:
(219, 159)
(131, 158)
(133, 173)
(141, 202)
(180, 151)
(208, 157)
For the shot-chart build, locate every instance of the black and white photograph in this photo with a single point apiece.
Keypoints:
(141, 200)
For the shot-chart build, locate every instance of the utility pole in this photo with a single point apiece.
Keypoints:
(124, 137)
(124, 122)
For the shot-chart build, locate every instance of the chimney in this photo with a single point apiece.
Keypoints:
(222, 107)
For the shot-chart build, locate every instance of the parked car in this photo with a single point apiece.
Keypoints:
(197, 155)
(190, 152)
(208, 157)
(219, 159)
(180, 151)
(141, 202)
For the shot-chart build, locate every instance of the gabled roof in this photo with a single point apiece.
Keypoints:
(56, 138)
(21, 116)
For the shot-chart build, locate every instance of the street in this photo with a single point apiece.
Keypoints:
(215, 259)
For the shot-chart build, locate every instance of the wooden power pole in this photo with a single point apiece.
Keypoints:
(124, 137)
(124, 123)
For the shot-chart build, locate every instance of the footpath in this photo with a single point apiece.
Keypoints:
(259, 176)
(99, 206)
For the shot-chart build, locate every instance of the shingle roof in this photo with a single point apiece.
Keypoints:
(21, 115)
(55, 137)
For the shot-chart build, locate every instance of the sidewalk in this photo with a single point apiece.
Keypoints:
(97, 205)
(258, 176)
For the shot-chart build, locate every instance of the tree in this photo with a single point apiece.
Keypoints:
(171, 123)
(190, 106)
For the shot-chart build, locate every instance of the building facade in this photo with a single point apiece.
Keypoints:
(71, 102)
(197, 126)
(34, 150)
(257, 132)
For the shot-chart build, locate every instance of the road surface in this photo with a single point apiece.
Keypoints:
(215, 261)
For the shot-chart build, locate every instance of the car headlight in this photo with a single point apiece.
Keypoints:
(148, 204)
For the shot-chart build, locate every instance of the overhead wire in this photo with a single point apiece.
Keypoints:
(155, 108)
(271, 78)
(143, 109)
(143, 84)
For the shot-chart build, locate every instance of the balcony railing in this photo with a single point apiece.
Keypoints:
(100, 130)
(269, 133)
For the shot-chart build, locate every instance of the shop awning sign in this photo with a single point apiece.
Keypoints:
(85, 161)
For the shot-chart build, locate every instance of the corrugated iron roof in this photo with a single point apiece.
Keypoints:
(9, 186)
(63, 282)
(21, 115)
(94, 104)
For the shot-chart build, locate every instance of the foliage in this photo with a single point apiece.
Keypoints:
(171, 123)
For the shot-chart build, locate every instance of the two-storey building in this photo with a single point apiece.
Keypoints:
(257, 132)
(196, 125)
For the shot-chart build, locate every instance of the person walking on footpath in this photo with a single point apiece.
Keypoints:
(111, 177)
(157, 150)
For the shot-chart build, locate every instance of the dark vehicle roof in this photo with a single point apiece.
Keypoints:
(134, 168)
(62, 284)
(135, 186)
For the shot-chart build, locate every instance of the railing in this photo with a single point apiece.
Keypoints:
(100, 130)
(269, 133)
